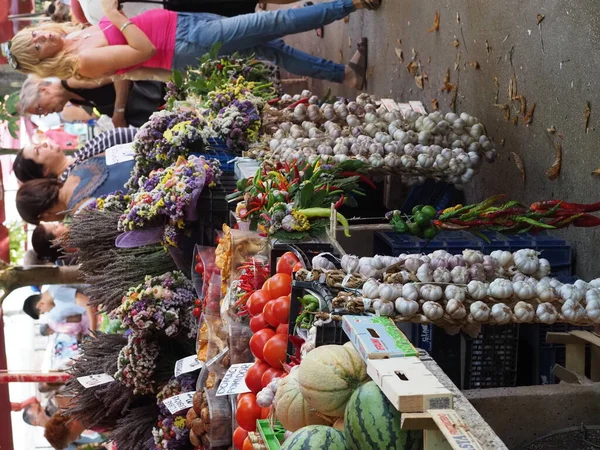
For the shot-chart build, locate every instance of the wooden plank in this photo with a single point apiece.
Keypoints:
(417, 421)
(569, 376)
(454, 429)
(587, 336)
(575, 358)
(553, 337)
(435, 440)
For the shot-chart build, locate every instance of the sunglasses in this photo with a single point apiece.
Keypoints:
(12, 61)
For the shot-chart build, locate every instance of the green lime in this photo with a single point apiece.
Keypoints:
(429, 211)
(416, 209)
(429, 233)
(414, 229)
(422, 220)
(399, 225)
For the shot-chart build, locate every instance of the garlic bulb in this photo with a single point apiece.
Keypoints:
(572, 311)
(582, 285)
(477, 272)
(456, 309)
(367, 271)
(592, 295)
(460, 275)
(383, 308)
(546, 313)
(371, 288)
(592, 310)
(472, 256)
(501, 313)
(545, 292)
(412, 264)
(442, 254)
(480, 311)
(439, 263)
(489, 265)
(433, 310)
(504, 258)
(501, 288)
(455, 261)
(453, 292)
(544, 269)
(377, 262)
(406, 308)
(321, 262)
(595, 283)
(441, 275)
(350, 263)
(424, 273)
(526, 261)
(568, 292)
(477, 290)
(387, 292)
(431, 292)
(410, 292)
(524, 312)
(523, 290)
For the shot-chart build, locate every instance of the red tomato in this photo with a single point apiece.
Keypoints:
(281, 309)
(286, 262)
(275, 350)
(247, 444)
(269, 314)
(257, 323)
(283, 328)
(279, 284)
(298, 266)
(254, 376)
(239, 436)
(258, 341)
(199, 267)
(264, 413)
(247, 413)
(241, 396)
(257, 301)
(269, 375)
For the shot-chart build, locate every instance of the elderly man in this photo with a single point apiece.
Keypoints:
(127, 102)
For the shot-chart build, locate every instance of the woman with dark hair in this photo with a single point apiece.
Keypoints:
(42, 241)
(47, 160)
(50, 200)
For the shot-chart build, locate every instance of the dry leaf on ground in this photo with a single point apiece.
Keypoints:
(436, 23)
(523, 100)
(586, 115)
(540, 18)
(456, 43)
(596, 172)
(435, 104)
(529, 117)
(412, 68)
(419, 81)
(520, 165)
(475, 65)
(554, 171)
(400, 54)
(505, 109)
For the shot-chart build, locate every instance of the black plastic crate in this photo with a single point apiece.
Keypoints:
(331, 334)
(491, 358)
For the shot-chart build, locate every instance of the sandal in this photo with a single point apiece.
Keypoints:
(371, 4)
(360, 67)
(320, 31)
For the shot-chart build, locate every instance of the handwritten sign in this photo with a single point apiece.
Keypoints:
(186, 365)
(233, 381)
(179, 402)
(95, 380)
(119, 153)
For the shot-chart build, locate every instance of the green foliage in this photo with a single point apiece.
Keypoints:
(17, 238)
(9, 112)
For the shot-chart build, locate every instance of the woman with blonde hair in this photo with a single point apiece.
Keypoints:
(165, 40)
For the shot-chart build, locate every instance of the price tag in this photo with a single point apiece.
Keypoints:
(95, 380)
(179, 402)
(189, 364)
(119, 153)
(233, 382)
(389, 104)
(405, 109)
(418, 107)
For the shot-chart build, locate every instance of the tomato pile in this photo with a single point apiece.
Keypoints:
(270, 311)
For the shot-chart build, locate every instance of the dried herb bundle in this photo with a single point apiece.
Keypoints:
(134, 431)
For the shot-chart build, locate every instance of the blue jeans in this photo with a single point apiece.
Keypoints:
(261, 35)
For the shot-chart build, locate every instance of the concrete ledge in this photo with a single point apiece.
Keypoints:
(522, 414)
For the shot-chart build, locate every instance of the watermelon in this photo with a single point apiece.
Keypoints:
(372, 423)
(315, 437)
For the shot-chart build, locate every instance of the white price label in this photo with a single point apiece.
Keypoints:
(95, 380)
(234, 380)
(179, 402)
(389, 104)
(418, 107)
(186, 365)
(119, 153)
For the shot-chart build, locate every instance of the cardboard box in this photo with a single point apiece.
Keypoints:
(409, 385)
(376, 337)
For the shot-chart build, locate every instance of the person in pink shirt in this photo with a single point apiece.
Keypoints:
(160, 41)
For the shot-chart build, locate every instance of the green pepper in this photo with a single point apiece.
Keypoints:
(325, 212)
(416, 209)
(422, 220)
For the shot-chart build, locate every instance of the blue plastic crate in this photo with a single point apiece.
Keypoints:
(222, 156)
(437, 194)
(392, 244)
(457, 241)
(555, 250)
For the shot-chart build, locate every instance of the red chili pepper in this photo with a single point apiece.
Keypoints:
(297, 342)
(302, 100)
(587, 220)
(274, 101)
(361, 177)
(448, 226)
(548, 204)
(472, 223)
(340, 202)
(296, 173)
(505, 212)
